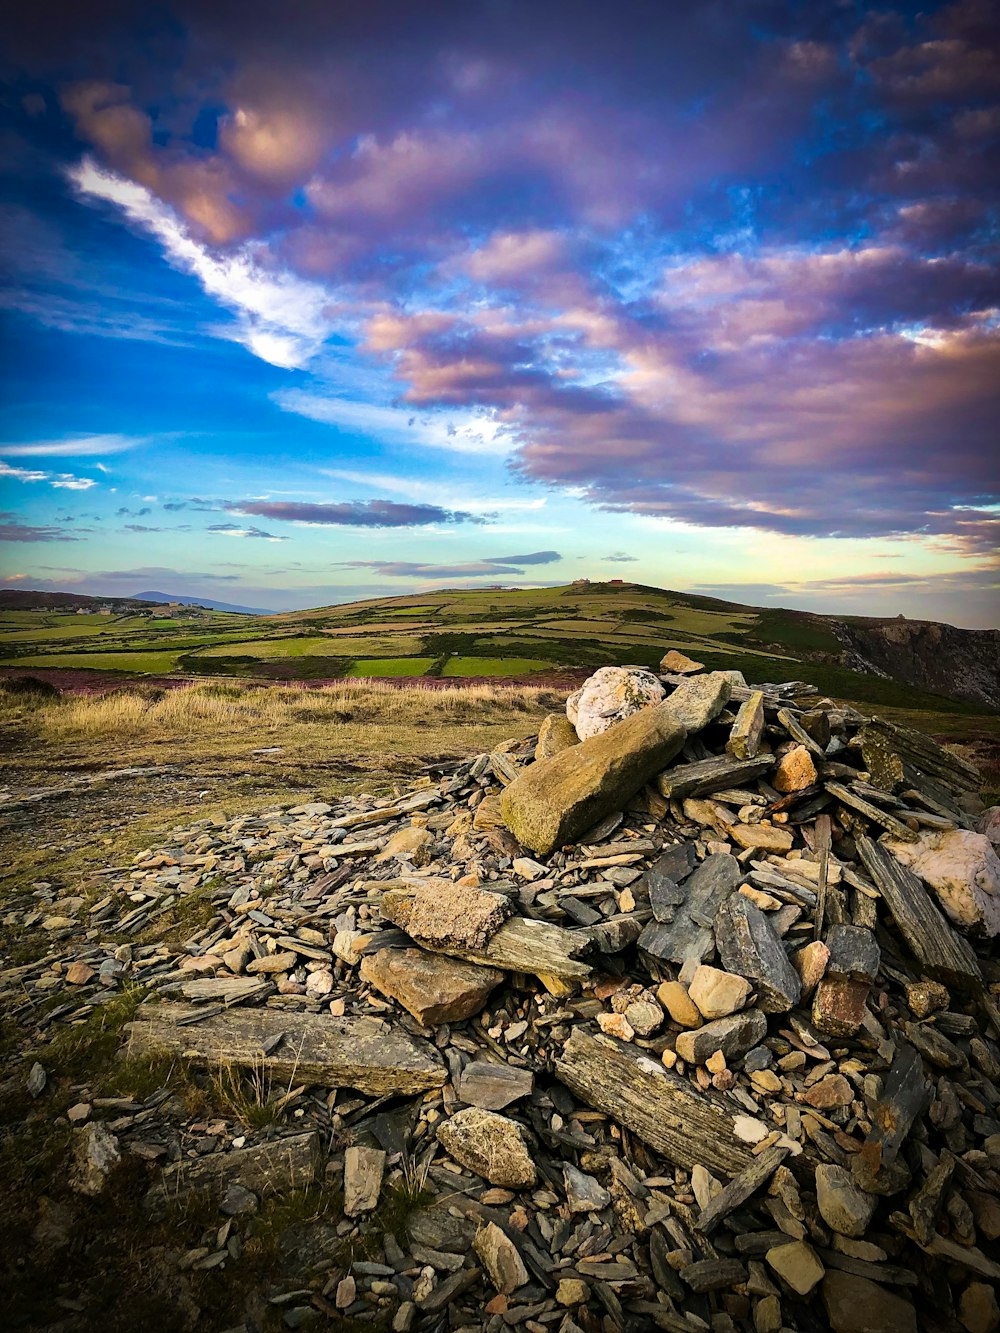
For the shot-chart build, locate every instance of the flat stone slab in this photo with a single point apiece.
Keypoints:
(363, 1053)
(491, 1087)
(432, 987)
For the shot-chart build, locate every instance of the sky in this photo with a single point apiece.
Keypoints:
(318, 301)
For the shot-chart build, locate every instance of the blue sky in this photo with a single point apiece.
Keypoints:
(329, 304)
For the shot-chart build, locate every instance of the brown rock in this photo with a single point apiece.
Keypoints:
(433, 988)
(273, 962)
(717, 993)
(679, 1005)
(500, 1258)
(489, 1144)
(488, 815)
(556, 734)
(679, 663)
(810, 963)
(798, 1264)
(833, 1090)
(78, 974)
(764, 837)
(977, 1308)
(794, 771)
(554, 800)
(856, 1305)
(839, 1006)
(745, 737)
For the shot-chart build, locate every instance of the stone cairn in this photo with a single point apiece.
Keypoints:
(683, 1012)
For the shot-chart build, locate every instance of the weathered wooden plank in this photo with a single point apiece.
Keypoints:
(519, 945)
(741, 1187)
(362, 1053)
(685, 1124)
(945, 955)
(265, 1168)
(711, 775)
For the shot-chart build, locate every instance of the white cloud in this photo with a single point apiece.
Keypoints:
(21, 473)
(282, 319)
(464, 433)
(64, 481)
(82, 446)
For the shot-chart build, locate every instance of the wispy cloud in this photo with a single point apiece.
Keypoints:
(232, 530)
(353, 513)
(82, 446)
(281, 318)
(460, 432)
(28, 532)
(439, 490)
(489, 567)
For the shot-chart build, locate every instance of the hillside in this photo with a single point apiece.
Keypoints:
(531, 634)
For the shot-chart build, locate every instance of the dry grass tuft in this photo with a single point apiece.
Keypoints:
(215, 708)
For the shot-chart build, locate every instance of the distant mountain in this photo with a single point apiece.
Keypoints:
(200, 601)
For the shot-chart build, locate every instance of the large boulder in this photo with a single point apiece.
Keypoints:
(963, 869)
(609, 696)
(554, 800)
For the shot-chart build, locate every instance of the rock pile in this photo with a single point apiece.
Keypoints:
(686, 1016)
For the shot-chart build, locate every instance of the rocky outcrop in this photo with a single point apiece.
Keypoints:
(959, 663)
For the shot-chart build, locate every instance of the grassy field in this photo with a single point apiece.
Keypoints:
(492, 666)
(460, 633)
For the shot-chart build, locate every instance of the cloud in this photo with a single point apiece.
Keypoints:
(620, 558)
(27, 532)
(141, 527)
(682, 277)
(414, 488)
(83, 446)
(204, 506)
(353, 513)
(62, 481)
(232, 530)
(463, 433)
(281, 318)
(411, 569)
(534, 558)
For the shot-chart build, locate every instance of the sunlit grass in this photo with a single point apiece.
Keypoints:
(218, 708)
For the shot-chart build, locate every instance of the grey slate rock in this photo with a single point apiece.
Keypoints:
(689, 934)
(664, 878)
(732, 1036)
(853, 953)
(749, 945)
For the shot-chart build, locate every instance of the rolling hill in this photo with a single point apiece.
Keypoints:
(523, 633)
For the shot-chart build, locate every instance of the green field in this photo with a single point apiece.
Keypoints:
(159, 663)
(493, 666)
(460, 632)
(390, 666)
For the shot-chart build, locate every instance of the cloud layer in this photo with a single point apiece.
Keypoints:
(730, 267)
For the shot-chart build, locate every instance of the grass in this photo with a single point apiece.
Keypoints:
(216, 709)
(247, 1095)
(390, 666)
(146, 663)
(492, 666)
